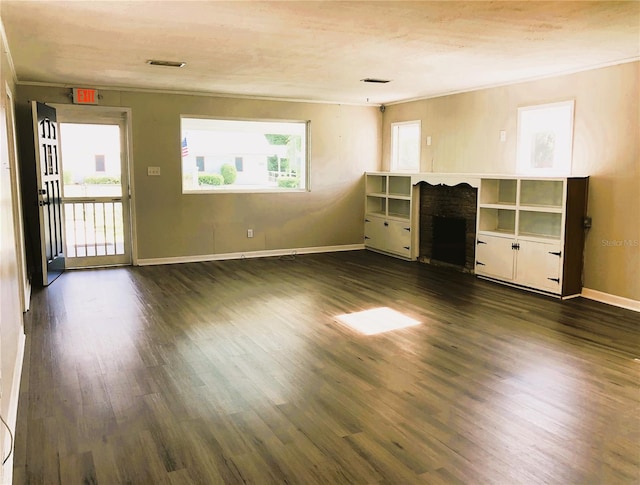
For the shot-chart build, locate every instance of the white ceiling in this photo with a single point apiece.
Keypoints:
(314, 50)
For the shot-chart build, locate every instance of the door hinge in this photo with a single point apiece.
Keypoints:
(515, 246)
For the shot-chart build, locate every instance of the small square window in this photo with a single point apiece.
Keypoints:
(405, 146)
(100, 164)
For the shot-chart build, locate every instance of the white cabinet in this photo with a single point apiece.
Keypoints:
(390, 218)
(530, 232)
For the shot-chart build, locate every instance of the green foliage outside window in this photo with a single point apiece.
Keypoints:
(210, 179)
(229, 173)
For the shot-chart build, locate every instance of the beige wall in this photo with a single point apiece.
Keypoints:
(343, 143)
(11, 329)
(465, 132)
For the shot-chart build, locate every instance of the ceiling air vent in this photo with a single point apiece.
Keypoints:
(373, 80)
(166, 63)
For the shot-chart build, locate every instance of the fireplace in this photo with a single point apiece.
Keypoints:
(448, 225)
(449, 240)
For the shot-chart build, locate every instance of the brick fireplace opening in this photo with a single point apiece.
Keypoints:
(448, 225)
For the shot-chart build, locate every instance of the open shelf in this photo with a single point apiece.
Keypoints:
(376, 184)
(501, 221)
(376, 205)
(541, 193)
(498, 191)
(399, 186)
(400, 208)
(540, 224)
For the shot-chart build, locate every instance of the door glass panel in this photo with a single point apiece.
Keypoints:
(81, 144)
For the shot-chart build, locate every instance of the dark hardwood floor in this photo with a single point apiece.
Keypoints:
(238, 372)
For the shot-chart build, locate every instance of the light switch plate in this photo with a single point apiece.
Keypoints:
(153, 170)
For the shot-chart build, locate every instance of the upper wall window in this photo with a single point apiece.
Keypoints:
(244, 156)
(405, 146)
(545, 139)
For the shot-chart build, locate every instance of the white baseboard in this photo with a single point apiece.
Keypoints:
(6, 474)
(619, 301)
(248, 254)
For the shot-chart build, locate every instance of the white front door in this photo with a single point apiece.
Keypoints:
(95, 187)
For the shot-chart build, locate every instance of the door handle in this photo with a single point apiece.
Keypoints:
(407, 247)
(42, 191)
(557, 280)
(407, 229)
(556, 253)
(43, 203)
(480, 242)
(386, 224)
(479, 263)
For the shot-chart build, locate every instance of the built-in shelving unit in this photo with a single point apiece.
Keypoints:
(390, 218)
(530, 232)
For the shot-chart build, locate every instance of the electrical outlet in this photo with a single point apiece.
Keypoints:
(428, 141)
(249, 232)
(153, 170)
(503, 135)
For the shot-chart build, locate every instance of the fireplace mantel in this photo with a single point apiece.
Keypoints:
(451, 179)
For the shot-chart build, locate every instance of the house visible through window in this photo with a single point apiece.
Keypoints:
(244, 156)
(405, 146)
(100, 165)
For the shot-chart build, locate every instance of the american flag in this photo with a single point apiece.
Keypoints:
(185, 147)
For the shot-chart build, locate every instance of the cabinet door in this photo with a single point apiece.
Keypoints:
(399, 238)
(539, 265)
(375, 233)
(495, 257)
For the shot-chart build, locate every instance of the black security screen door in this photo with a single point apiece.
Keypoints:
(49, 196)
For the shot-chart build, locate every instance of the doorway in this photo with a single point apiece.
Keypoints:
(96, 194)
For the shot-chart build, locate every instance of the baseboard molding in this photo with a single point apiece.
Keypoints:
(248, 254)
(619, 301)
(12, 413)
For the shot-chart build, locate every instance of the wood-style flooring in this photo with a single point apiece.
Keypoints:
(238, 372)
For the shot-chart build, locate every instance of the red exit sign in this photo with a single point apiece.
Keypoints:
(85, 96)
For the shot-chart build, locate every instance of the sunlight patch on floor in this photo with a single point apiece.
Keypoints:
(377, 320)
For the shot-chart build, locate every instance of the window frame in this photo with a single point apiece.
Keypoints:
(395, 146)
(257, 190)
(562, 129)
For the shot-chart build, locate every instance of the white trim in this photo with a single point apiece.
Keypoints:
(16, 193)
(249, 254)
(7, 51)
(177, 92)
(6, 474)
(610, 299)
